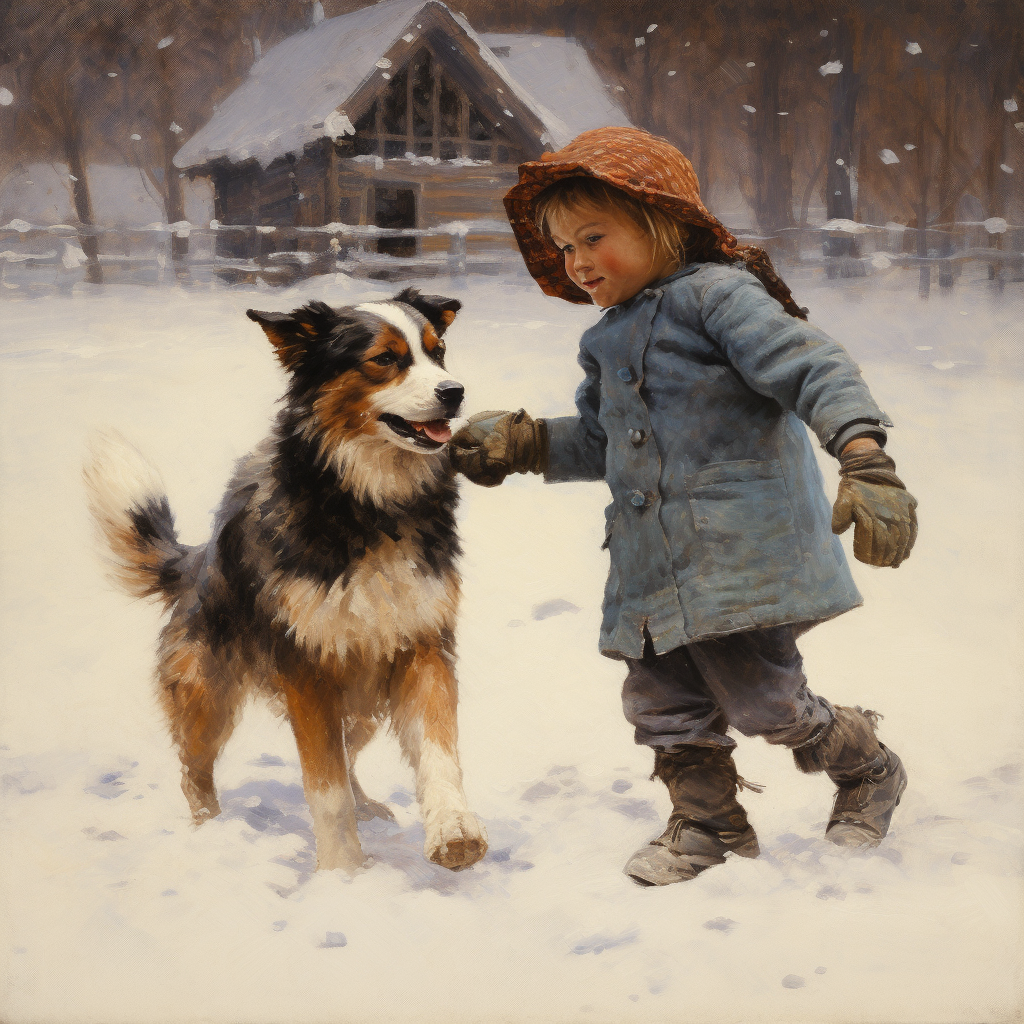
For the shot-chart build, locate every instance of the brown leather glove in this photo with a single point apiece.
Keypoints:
(872, 498)
(493, 444)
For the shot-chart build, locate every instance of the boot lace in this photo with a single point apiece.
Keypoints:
(874, 717)
(742, 784)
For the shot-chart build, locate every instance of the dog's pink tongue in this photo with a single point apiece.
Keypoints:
(436, 430)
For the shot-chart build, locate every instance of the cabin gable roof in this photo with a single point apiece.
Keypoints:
(332, 74)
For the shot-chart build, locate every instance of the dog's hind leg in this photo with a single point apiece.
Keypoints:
(358, 732)
(315, 710)
(424, 695)
(201, 706)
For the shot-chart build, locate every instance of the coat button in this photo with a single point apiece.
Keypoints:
(637, 437)
(638, 498)
(626, 374)
(649, 293)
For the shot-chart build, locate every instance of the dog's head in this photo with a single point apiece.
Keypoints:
(372, 372)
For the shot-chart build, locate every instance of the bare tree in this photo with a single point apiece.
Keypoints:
(57, 53)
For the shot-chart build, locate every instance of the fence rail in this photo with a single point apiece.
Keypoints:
(239, 252)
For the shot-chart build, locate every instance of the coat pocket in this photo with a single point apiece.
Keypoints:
(744, 519)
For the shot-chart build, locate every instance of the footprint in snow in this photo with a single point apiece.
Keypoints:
(548, 609)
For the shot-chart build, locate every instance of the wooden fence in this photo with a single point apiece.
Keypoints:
(52, 255)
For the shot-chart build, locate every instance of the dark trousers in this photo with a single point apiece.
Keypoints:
(752, 681)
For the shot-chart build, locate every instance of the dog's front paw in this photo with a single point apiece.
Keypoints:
(456, 841)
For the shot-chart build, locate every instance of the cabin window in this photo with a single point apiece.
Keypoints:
(393, 103)
(425, 113)
(366, 140)
(421, 94)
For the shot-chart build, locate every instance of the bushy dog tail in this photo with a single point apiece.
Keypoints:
(127, 500)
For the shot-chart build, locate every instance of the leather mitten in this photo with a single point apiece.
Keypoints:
(493, 444)
(873, 499)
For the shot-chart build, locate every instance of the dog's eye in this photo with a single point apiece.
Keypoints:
(385, 359)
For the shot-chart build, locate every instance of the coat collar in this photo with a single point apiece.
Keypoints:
(652, 291)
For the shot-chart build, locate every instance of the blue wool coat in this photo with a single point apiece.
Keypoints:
(691, 410)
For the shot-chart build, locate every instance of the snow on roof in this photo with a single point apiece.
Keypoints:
(297, 85)
(559, 70)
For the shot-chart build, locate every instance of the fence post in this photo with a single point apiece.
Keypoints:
(946, 266)
(457, 254)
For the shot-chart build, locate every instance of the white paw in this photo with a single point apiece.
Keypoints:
(456, 841)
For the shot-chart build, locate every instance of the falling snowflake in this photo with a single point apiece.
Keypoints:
(651, 28)
(751, 64)
(385, 76)
(840, 161)
(508, 113)
(1020, 127)
(908, 146)
(913, 48)
(1009, 105)
(165, 42)
(6, 97)
(384, 63)
(783, 113)
(176, 128)
(1006, 167)
(995, 225)
(111, 74)
(640, 40)
(749, 109)
(887, 156)
(823, 33)
(408, 37)
(670, 74)
(72, 177)
(136, 138)
(833, 67)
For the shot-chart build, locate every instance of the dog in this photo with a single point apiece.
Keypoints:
(330, 581)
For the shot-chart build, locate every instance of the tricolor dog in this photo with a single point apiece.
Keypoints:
(329, 583)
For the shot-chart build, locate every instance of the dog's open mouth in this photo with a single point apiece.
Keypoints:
(427, 434)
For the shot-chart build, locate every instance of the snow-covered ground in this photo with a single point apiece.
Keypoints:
(115, 910)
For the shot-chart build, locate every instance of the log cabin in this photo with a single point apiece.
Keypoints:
(398, 115)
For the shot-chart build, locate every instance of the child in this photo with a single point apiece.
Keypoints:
(720, 535)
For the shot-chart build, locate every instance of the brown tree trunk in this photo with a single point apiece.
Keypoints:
(842, 115)
(772, 174)
(75, 156)
(923, 183)
(174, 200)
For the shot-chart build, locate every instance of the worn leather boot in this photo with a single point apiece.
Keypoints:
(707, 821)
(870, 777)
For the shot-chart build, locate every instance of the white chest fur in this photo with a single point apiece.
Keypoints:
(390, 600)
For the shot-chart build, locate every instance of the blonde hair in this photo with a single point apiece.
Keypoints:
(668, 235)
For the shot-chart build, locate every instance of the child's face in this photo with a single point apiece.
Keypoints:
(606, 253)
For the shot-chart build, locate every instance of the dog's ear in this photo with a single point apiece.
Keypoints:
(295, 334)
(436, 308)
